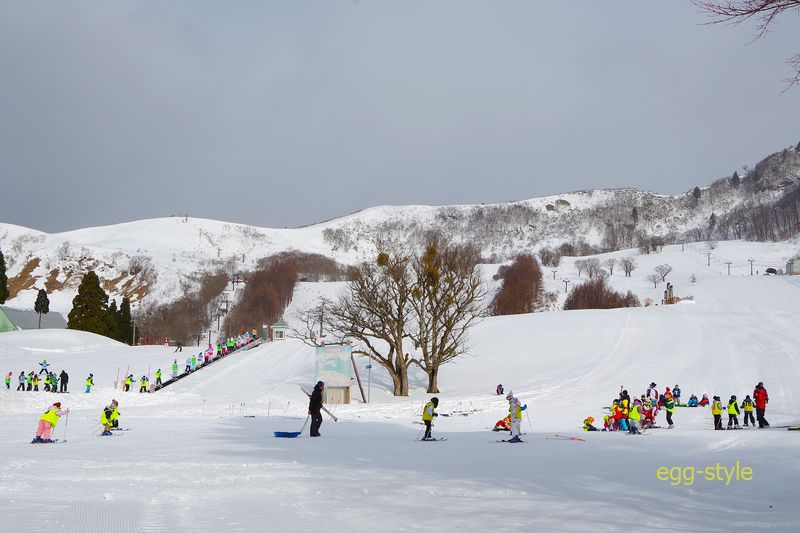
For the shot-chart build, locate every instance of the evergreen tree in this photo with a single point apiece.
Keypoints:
(712, 221)
(635, 215)
(125, 322)
(696, 193)
(735, 181)
(3, 279)
(113, 320)
(89, 307)
(42, 305)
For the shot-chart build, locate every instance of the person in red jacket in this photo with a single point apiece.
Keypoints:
(761, 399)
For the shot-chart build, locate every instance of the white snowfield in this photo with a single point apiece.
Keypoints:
(200, 454)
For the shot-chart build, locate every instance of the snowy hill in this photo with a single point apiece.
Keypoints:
(157, 258)
(208, 438)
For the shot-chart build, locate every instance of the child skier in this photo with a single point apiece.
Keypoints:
(499, 390)
(107, 417)
(8, 381)
(588, 424)
(36, 382)
(608, 423)
(158, 378)
(669, 406)
(21, 380)
(692, 401)
(676, 393)
(427, 416)
(175, 369)
(747, 407)
(188, 365)
(515, 414)
(47, 423)
(29, 381)
(89, 383)
(733, 412)
(143, 384)
(635, 418)
(716, 410)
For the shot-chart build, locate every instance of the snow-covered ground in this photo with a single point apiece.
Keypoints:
(200, 455)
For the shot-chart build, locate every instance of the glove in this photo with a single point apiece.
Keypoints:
(435, 414)
(524, 407)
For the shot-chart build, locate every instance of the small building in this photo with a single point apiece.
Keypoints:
(279, 331)
(18, 319)
(793, 266)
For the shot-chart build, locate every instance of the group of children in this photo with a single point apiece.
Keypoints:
(641, 413)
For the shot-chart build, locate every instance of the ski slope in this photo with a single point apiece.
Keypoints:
(200, 455)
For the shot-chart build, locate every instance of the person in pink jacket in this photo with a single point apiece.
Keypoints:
(47, 423)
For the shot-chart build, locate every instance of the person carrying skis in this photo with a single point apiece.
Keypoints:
(314, 408)
(175, 369)
(47, 423)
(669, 406)
(64, 381)
(89, 383)
(761, 399)
(427, 416)
(143, 384)
(747, 407)
(108, 418)
(515, 414)
(158, 378)
(588, 424)
(128, 383)
(8, 381)
(716, 410)
(733, 413)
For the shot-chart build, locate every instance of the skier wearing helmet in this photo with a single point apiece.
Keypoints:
(587, 424)
(427, 416)
(515, 414)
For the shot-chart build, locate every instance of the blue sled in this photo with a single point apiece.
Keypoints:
(287, 434)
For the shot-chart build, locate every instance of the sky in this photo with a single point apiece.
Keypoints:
(281, 114)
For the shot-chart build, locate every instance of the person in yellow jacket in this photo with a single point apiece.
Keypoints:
(128, 383)
(635, 417)
(47, 423)
(716, 410)
(748, 407)
(515, 409)
(427, 416)
(588, 424)
(108, 417)
(733, 414)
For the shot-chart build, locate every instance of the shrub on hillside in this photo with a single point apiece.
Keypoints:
(596, 294)
(521, 288)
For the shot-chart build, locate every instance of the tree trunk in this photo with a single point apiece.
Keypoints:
(433, 381)
(40, 321)
(400, 379)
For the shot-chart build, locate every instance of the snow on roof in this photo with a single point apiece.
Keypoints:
(25, 319)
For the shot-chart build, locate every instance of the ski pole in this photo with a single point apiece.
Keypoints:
(304, 424)
(66, 423)
(529, 419)
(287, 408)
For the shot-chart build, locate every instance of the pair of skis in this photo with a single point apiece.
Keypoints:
(565, 437)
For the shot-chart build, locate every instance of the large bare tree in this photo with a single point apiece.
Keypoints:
(763, 11)
(447, 299)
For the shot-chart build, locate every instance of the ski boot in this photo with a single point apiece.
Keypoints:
(36, 440)
(514, 439)
(106, 434)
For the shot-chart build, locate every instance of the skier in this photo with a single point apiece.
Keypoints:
(652, 393)
(53, 383)
(588, 424)
(515, 413)
(635, 417)
(188, 365)
(21, 380)
(89, 383)
(64, 381)
(692, 401)
(143, 384)
(175, 369)
(44, 364)
(179, 347)
(36, 382)
(8, 381)
(29, 381)
(47, 423)
(733, 412)
(427, 417)
(194, 362)
(47, 382)
(108, 418)
(499, 390)
(128, 383)
(761, 399)
(158, 378)
(676, 393)
(314, 407)
(747, 407)
(716, 410)
(669, 406)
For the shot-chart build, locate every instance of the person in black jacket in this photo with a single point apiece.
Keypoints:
(314, 407)
(64, 380)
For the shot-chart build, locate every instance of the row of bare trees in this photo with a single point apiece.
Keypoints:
(521, 289)
(405, 308)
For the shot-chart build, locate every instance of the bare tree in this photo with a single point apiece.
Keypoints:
(655, 278)
(580, 265)
(375, 311)
(628, 265)
(593, 268)
(764, 11)
(610, 263)
(662, 271)
(309, 322)
(447, 300)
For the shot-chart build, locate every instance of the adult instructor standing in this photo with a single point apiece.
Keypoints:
(761, 399)
(64, 380)
(314, 408)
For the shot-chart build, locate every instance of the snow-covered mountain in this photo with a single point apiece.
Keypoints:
(158, 258)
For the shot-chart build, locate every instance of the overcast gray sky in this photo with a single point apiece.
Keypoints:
(287, 113)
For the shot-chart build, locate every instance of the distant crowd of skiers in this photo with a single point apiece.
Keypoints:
(51, 382)
(633, 416)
